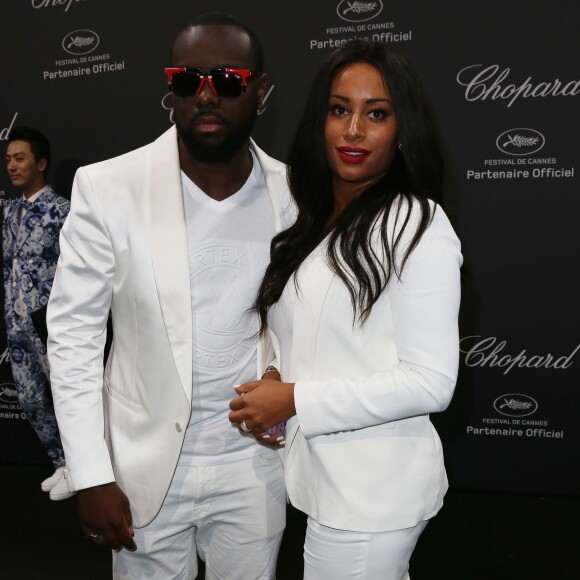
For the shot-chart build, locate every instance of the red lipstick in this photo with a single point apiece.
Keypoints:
(352, 154)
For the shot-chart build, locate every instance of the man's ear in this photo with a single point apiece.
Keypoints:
(41, 165)
(262, 89)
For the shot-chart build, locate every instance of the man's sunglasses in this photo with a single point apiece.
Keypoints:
(225, 82)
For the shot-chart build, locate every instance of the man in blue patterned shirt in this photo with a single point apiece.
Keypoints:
(30, 245)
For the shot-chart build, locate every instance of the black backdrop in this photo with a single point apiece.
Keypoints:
(504, 79)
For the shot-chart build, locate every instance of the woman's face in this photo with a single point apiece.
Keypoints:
(361, 128)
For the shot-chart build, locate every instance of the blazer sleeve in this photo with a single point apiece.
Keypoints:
(77, 318)
(63, 207)
(424, 306)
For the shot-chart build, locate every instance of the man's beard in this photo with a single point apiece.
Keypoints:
(221, 151)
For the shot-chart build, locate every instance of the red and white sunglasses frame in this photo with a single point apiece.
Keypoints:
(244, 73)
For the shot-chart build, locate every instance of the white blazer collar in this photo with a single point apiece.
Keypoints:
(168, 239)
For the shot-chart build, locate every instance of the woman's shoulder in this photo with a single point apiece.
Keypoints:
(409, 210)
(405, 214)
(409, 215)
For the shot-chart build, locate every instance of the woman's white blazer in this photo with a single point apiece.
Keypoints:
(361, 452)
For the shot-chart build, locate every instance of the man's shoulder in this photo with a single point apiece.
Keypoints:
(130, 160)
(51, 196)
(124, 160)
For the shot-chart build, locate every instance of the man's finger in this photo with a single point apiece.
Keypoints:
(131, 546)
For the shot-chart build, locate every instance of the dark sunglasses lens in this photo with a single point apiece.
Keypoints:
(227, 84)
(184, 84)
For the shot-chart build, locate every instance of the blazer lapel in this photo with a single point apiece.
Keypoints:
(35, 213)
(284, 215)
(277, 184)
(273, 182)
(39, 209)
(168, 241)
(314, 279)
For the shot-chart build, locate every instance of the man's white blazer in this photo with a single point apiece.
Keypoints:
(124, 249)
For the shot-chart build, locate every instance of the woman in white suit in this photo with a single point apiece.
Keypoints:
(360, 304)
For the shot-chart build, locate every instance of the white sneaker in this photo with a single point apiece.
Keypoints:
(51, 481)
(60, 490)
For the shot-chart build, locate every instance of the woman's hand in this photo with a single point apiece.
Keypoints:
(261, 405)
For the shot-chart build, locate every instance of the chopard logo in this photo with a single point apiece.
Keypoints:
(5, 131)
(8, 393)
(488, 352)
(356, 11)
(487, 83)
(515, 405)
(263, 106)
(80, 42)
(54, 3)
(520, 141)
(5, 356)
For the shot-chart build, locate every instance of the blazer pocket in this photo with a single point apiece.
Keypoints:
(121, 399)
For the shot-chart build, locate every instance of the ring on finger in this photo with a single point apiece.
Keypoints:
(244, 427)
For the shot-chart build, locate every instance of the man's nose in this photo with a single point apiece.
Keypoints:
(206, 93)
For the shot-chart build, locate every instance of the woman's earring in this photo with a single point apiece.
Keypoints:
(400, 146)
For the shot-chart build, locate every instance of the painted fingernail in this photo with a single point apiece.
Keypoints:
(266, 436)
(282, 443)
(279, 439)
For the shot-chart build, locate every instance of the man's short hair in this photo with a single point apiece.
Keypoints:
(223, 19)
(38, 142)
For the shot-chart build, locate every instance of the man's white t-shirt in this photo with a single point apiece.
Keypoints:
(228, 246)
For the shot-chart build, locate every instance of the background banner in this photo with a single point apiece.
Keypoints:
(505, 83)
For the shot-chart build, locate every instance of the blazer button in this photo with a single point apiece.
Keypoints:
(178, 427)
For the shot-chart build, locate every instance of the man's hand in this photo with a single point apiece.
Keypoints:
(105, 516)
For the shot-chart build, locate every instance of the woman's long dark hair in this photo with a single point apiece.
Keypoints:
(416, 175)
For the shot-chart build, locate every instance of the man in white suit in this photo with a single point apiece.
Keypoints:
(173, 238)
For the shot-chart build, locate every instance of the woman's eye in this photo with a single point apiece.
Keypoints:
(378, 114)
(337, 110)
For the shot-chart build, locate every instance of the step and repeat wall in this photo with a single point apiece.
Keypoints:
(505, 81)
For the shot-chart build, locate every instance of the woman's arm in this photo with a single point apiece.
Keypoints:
(424, 306)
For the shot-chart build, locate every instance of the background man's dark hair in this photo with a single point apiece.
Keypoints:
(223, 19)
(39, 144)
